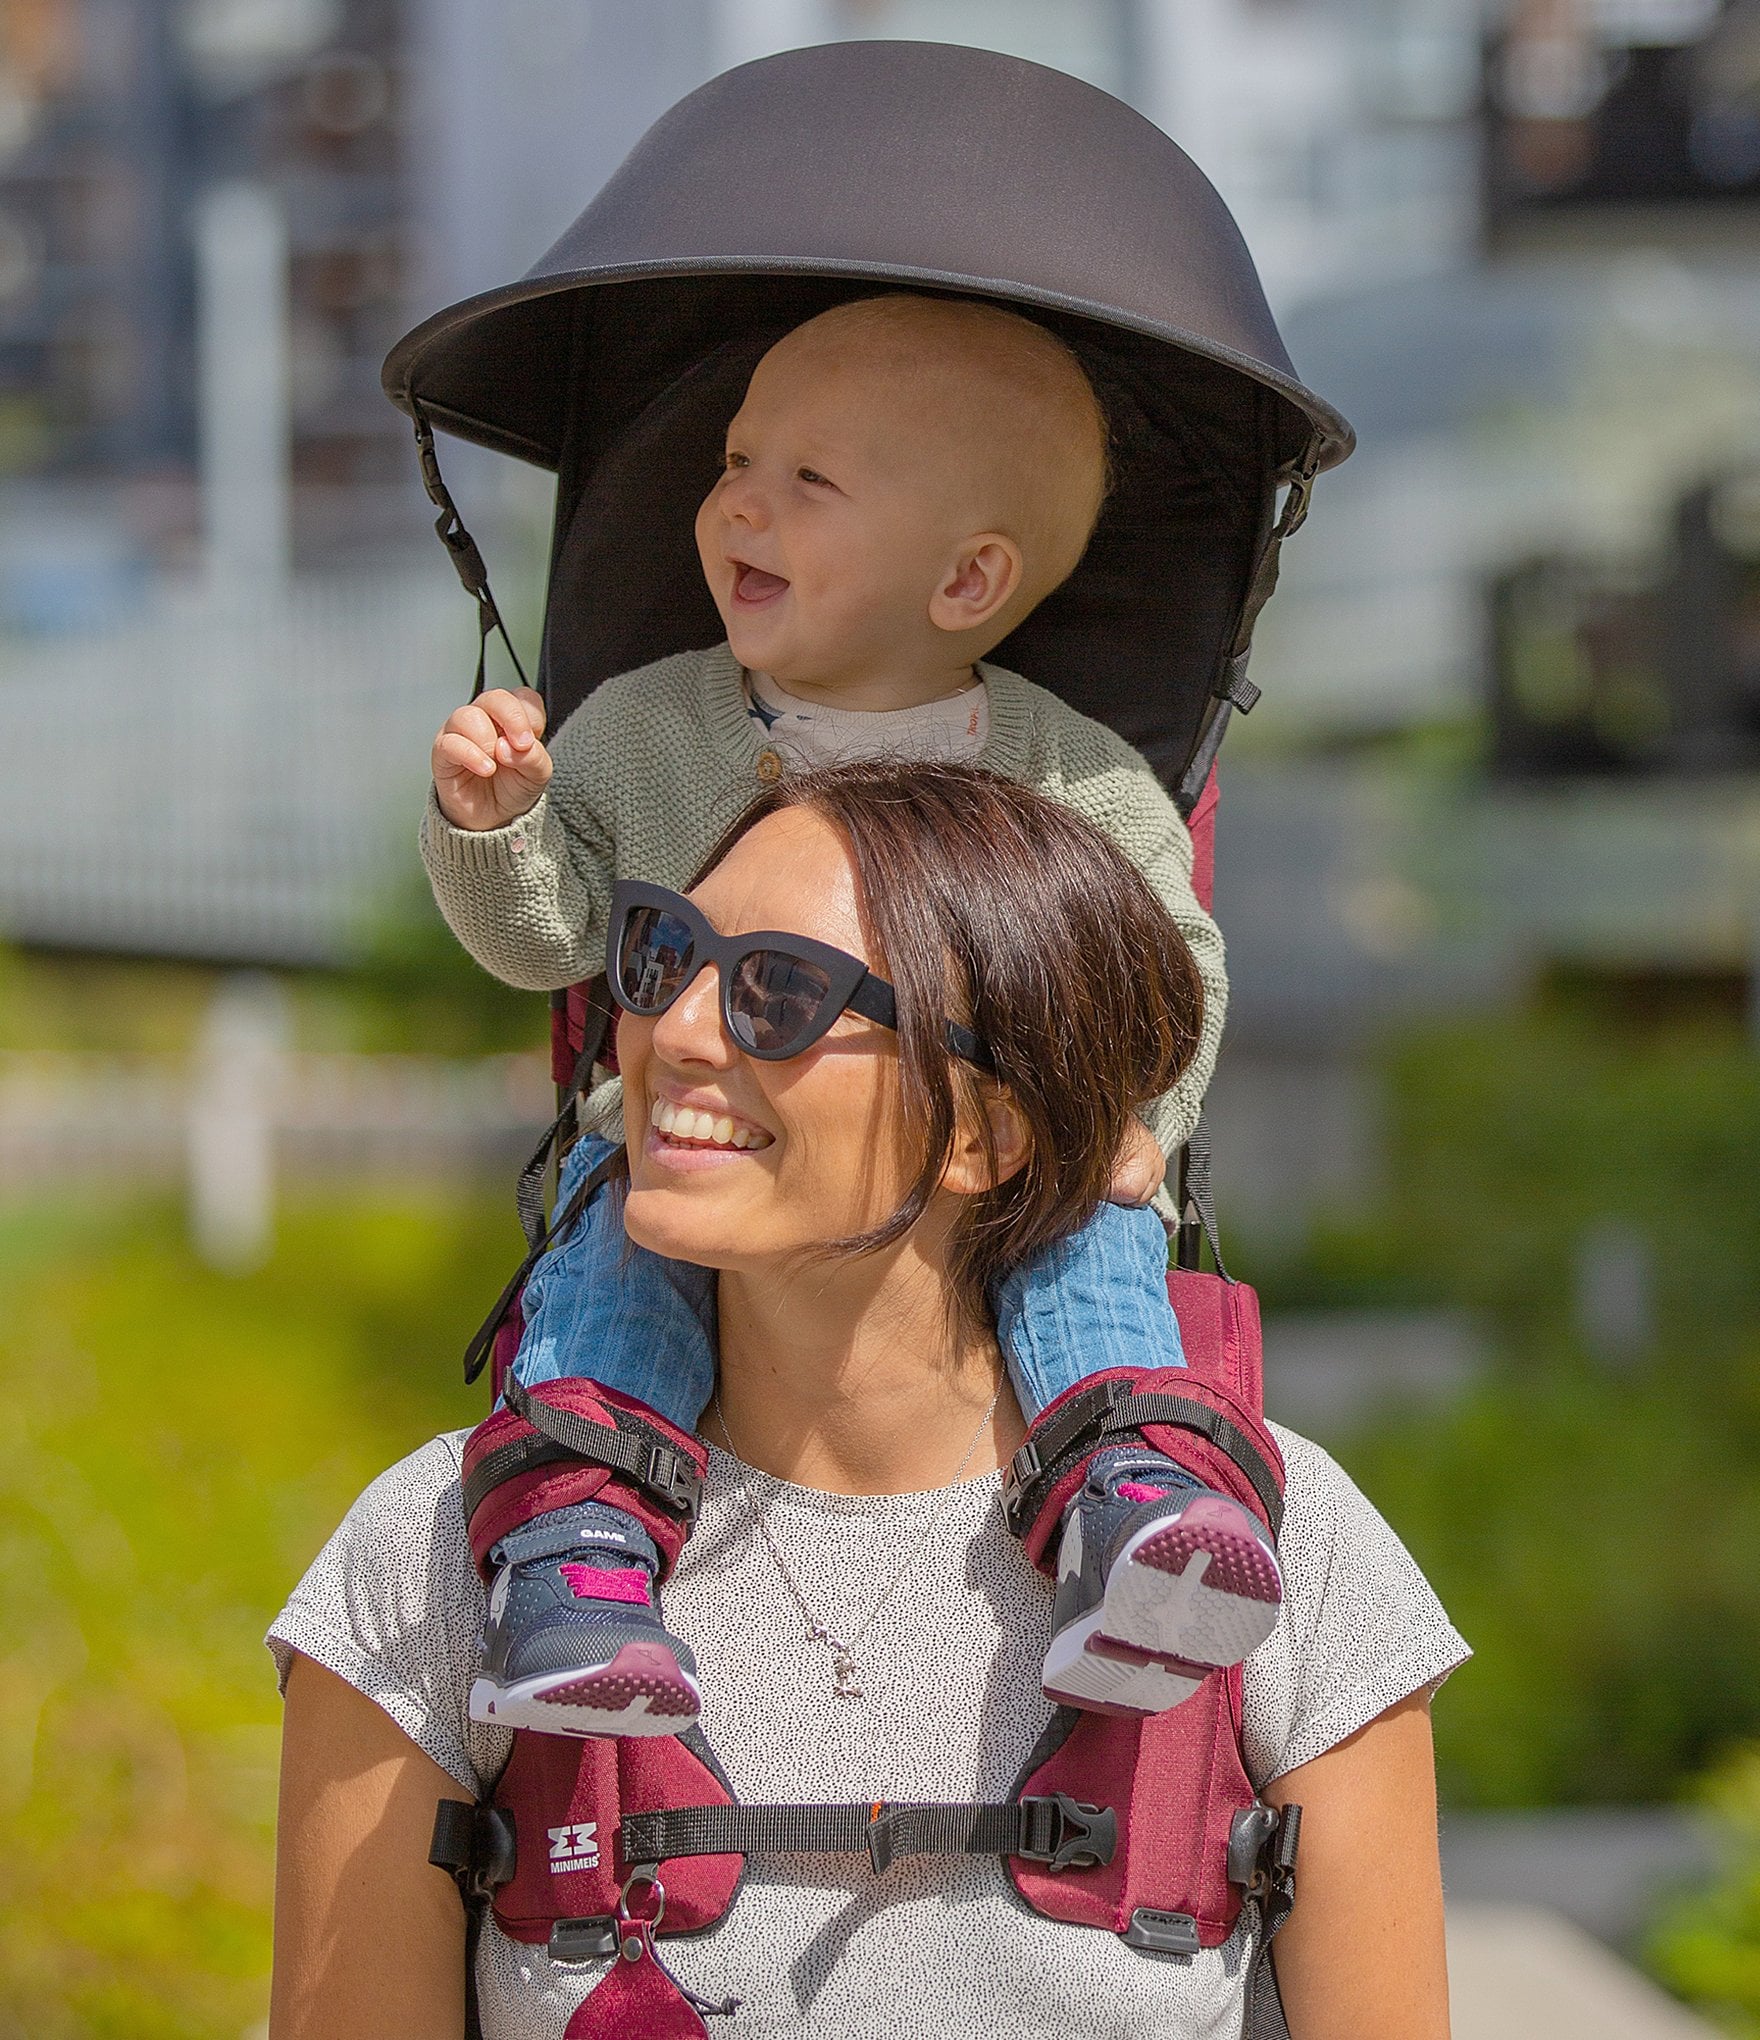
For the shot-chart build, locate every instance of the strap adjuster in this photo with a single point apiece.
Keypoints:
(1066, 1835)
(674, 1480)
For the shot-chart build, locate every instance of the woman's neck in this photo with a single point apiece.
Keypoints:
(853, 1377)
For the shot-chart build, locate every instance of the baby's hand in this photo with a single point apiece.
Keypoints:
(489, 767)
(1140, 1167)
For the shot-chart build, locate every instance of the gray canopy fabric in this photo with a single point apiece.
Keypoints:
(793, 183)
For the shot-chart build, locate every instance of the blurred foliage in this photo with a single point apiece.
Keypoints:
(1707, 1945)
(181, 1443)
(1592, 1527)
(414, 991)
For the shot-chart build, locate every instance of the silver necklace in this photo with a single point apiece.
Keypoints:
(846, 1668)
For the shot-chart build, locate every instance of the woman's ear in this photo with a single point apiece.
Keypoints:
(972, 1167)
(983, 577)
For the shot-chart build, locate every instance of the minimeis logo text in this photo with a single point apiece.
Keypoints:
(574, 1847)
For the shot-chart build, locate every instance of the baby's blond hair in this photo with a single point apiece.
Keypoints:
(1034, 444)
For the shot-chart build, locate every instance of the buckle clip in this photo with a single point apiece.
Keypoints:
(1079, 1837)
(1022, 1470)
(674, 1480)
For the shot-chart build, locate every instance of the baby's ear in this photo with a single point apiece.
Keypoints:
(981, 579)
(975, 1166)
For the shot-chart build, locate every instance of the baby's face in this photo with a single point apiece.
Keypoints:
(838, 513)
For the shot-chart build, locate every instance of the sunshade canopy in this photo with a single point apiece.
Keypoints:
(790, 184)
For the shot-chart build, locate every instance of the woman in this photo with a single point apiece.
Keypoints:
(861, 1422)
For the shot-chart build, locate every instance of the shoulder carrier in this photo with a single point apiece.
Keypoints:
(598, 1849)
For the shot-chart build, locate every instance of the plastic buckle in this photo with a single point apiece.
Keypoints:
(674, 1480)
(1248, 1834)
(1081, 1837)
(1022, 1470)
(585, 1940)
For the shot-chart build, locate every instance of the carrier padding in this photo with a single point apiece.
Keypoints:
(567, 1795)
(563, 1481)
(1175, 1782)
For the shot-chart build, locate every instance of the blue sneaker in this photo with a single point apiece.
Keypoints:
(1160, 1581)
(574, 1644)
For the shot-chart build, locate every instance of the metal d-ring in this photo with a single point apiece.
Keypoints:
(649, 1874)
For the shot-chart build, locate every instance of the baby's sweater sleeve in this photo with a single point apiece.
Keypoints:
(1114, 785)
(530, 900)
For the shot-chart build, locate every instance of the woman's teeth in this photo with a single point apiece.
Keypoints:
(683, 1122)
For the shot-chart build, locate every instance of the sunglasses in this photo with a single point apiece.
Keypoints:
(779, 993)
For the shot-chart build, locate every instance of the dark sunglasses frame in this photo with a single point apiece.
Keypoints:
(851, 986)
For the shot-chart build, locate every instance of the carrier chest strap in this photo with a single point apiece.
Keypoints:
(1093, 1419)
(1058, 1831)
(626, 1446)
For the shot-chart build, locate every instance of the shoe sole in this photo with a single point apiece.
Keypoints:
(1086, 1669)
(1201, 1586)
(643, 1691)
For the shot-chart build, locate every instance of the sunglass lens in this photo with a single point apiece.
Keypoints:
(653, 959)
(774, 1000)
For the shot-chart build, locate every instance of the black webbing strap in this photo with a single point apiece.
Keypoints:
(475, 1845)
(1196, 1194)
(626, 1445)
(528, 1194)
(1099, 1414)
(482, 1342)
(463, 551)
(1233, 690)
(1058, 1831)
(1272, 1895)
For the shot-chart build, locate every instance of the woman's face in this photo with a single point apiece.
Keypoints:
(822, 1155)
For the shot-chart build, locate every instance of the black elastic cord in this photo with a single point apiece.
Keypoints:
(1233, 690)
(465, 554)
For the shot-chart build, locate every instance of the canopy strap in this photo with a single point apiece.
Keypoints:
(1058, 1831)
(1233, 690)
(464, 553)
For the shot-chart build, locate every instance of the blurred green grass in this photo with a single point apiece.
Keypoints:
(181, 1444)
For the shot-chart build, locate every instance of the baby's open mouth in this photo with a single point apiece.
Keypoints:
(754, 585)
(703, 1129)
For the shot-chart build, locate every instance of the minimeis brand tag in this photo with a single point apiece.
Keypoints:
(574, 1847)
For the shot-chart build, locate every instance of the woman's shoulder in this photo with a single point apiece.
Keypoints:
(392, 1604)
(1361, 1627)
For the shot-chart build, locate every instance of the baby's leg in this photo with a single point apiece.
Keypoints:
(1161, 1579)
(1093, 1301)
(574, 1642)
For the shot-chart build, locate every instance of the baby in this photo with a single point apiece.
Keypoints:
(906, 479)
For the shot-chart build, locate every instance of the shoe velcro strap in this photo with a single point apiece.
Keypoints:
(1224, 1433)
(626, 1445)
(1098, 1416)
(1057, 1830)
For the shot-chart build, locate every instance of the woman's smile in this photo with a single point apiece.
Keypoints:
(699, 1131)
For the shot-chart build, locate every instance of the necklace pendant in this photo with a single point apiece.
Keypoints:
(845, 1674)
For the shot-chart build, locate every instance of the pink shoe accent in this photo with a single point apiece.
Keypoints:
(1135, 1491)
(1239, 1563)
(646, 1671)
(589, 1583)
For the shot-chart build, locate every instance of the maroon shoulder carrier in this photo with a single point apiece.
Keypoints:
(599, 1848)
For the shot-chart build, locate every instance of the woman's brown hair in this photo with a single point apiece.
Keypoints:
(990, 903)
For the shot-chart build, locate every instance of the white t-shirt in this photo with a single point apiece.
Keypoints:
(953, 730)
(939, 1948)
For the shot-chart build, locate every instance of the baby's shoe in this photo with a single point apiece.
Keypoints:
(574, 1643)
(1160, 1581)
